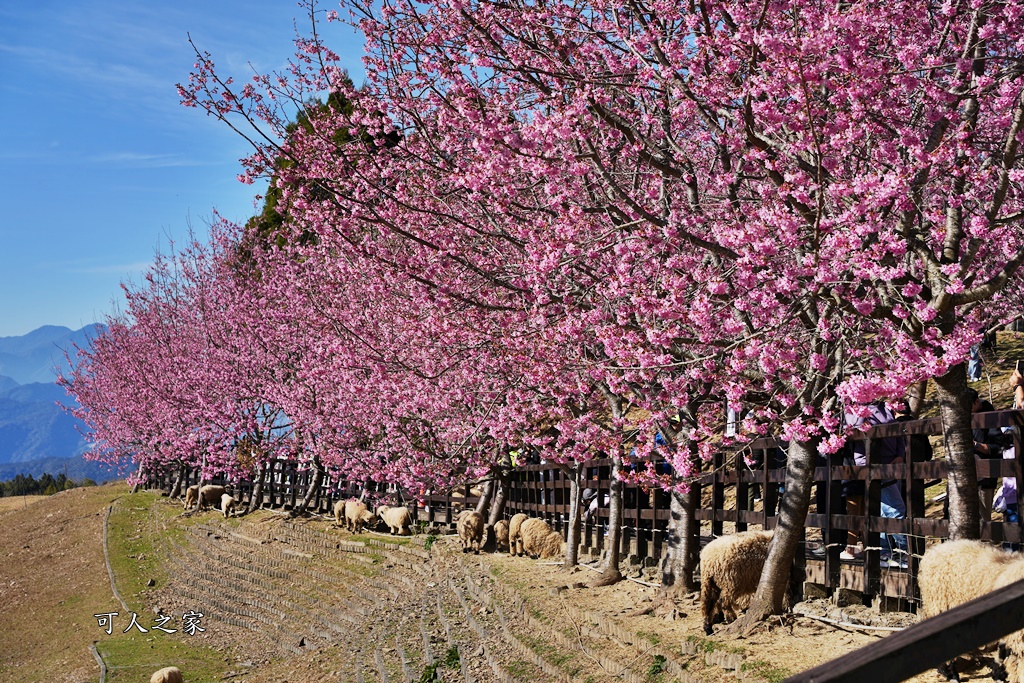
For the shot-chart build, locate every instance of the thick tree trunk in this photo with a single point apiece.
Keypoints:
(682, 542)
(484, 503)
(962, 487)
(682, 546)
(770, 597)
(610, 571)
(314, 486)
(257, 489)
(572, 541)
(500, 493)
(176, 486)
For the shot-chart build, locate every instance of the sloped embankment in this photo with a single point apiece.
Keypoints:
(307, 602)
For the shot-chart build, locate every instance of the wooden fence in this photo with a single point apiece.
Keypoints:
(734, 497)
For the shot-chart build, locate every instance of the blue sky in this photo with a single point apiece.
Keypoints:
(99, 164)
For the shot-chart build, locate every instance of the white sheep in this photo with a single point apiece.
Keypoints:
(730, 568)
(191, 496)
(501, 534)
(398, 519)
(515, 540)
(539, 540)
(228, 504)
(471, 530)
(355, 515)
(956, 572)
(209, 495)
(169, 674)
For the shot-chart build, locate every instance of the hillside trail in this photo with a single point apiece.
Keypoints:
(295, 600)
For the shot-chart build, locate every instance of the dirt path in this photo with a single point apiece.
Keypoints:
(52, 580)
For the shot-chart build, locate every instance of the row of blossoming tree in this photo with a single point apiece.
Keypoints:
(572, 226)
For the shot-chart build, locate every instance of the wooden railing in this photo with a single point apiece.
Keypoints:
(542, 490)
(927, 644)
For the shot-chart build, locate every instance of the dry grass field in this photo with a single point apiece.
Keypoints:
(18, 503)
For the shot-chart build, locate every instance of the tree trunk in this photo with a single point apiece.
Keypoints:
(682, 542)
(915, 397)
(572, 541)
(770, 597)
(682, 546)
(176, 487)
(257, 489)
(610, 571)
(500, 493)
(484, 503)
(138, 480)
(962, 488)
(314, 486)
(369, 486)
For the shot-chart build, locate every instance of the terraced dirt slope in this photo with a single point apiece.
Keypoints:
(318, 604)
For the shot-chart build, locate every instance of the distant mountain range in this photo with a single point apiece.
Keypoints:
(36, 434)
(33, 357)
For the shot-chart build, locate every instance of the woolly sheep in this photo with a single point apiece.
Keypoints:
(471, 530)
(339, 512)
(956, 572)
(398, 520)
(169, 674)
(191, 496)
(515, 540)
(210, 495)
(356, 515)
(730, 568)
(228, 504)
(540, 540)
(501, 534)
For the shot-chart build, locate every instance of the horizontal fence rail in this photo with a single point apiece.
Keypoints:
(734, 495)
(928, 644)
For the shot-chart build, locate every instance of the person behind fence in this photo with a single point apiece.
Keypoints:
(890, 450)
(1017, 386)
(1006, 500)
(974, 364)
(986, 445)
(920, 445)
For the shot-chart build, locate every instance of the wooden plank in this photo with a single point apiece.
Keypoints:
(927, 644)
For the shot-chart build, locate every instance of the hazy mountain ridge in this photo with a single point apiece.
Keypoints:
(36, 434)
(77, 468)
(33, 357)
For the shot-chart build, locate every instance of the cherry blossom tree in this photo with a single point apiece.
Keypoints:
(815, 191)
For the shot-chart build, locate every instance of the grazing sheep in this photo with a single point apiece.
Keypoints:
(540, 540)
(228, 504)
(515, 539)
(191, 496)
(210, 495)
(501, 534)
(956, 572)
(356, 515)
(169, 674)
(730, 567)
(471, 530)
(398, 519)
